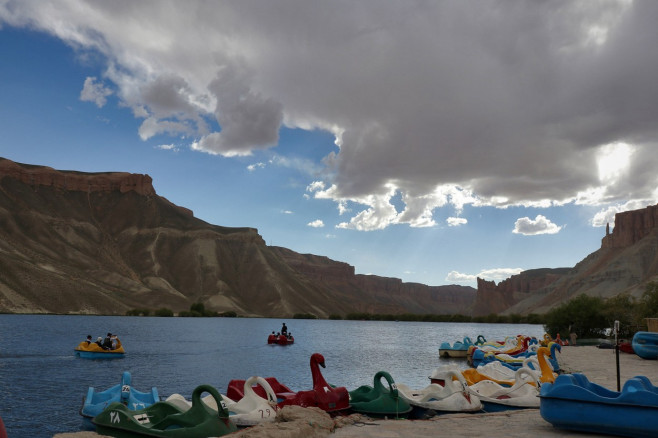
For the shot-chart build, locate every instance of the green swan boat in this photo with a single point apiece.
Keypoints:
(378, 400)
(163, 419)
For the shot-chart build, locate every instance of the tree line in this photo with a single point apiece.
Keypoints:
(587, 316)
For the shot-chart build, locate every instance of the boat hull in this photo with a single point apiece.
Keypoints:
(98, 354)
(453, 353)
(608, 419)
(573, 402)
(645, 345)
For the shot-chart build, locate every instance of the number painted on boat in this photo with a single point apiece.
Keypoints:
(138, 406)
(265, 411)
(114, 417)
(125, 388)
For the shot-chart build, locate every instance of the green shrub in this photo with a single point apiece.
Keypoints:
(163, 311)
(584, 314)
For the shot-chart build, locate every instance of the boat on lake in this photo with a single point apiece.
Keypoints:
(457, 349)
(645, 345)
(575, 403)
(280, 339)
(91, 350)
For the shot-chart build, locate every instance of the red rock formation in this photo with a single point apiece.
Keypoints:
(492, 298)
(75, 181)
(375, 294)
(630, 227)
(73, 242)
(628, 258)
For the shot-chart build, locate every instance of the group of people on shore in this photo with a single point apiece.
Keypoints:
(109, 343)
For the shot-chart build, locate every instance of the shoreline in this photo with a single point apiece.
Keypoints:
(599, 365)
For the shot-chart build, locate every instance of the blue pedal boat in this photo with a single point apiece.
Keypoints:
(95, 402)
(575, 403)
(645, 345)
(458, 349)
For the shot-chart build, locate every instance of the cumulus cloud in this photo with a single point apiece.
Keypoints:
(456, 221)
(316, 223)
(540, 225)
(438, 104)
(167, 147)
(93, 91)
(496, 274)
(255, 166)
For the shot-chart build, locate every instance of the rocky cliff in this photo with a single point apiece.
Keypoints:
(625, 263)
(492, 298)
(103, 243)
(375, 294)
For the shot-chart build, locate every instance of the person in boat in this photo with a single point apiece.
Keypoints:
(290, 335)
(89, 340)
(99, 341)
(284, 330)
(107, 343)
(115, 342)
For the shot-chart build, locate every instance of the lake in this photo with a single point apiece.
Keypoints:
(42, 383)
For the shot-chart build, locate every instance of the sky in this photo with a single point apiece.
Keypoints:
(435, 142)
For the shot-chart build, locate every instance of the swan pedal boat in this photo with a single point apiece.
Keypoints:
(327, 397)
(523, 394)
(93, 351)
(480, 358)
(168, 420)
(280, 340)
(250, 410)
(499, 372)
(95, 402)
(645, 345)
(575, 403)
(456, 350)
(379, 401)
(454, 396)
(544, 374)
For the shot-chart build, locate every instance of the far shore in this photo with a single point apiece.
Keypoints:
(599, 365)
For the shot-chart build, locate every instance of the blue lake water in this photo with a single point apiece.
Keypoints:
(42, 383)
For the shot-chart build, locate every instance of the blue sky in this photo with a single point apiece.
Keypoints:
(429, 142)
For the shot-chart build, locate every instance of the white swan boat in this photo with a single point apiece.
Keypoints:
(250, 410)
(454, 396)
(498, 371)
(521, 395)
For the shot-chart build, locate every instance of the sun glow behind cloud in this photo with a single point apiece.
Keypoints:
(613, 161)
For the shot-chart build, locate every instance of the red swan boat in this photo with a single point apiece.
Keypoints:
(323, 395)
(280, 340)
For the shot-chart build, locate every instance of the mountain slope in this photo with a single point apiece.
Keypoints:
(73, 242)
(625, 263)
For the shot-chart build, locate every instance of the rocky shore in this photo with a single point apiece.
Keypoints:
(599, 365)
